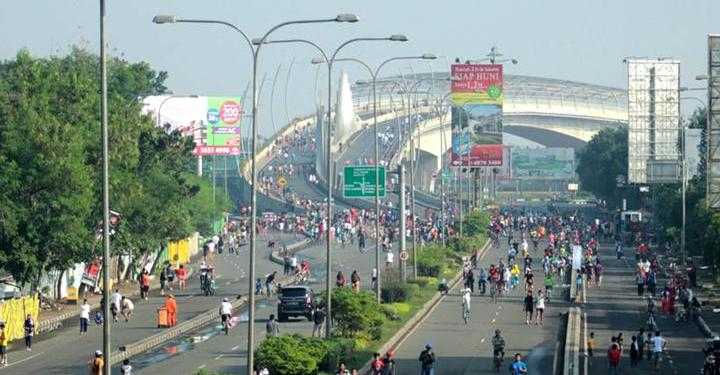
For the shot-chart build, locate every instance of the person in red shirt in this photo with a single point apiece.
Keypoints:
(614, 354)
(377, 365)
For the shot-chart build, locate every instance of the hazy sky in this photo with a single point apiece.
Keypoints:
(582, 40)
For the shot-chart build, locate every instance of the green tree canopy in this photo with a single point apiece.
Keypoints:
(601, 161)
(50, 164)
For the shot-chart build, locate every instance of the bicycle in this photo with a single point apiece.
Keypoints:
(466, 314)
(226, 324)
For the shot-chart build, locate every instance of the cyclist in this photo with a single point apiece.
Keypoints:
(498, 343)
(518, 367)
(225, 313)
(465, 304)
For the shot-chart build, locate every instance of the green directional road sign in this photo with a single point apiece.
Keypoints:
(359, 181)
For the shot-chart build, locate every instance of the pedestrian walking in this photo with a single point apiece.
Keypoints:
(126, 368)
(171, 308)
(29, 327)
(318, 321)
(4, 340)
(127, 306)
(377, 365)
(269, 282)
(355, 281)
(272, 327)
(389, 363)
(641, 343)
(97, 363)
(84, 316)
(634, 352)
(115, 301)
(640, 281)
(540, 308)
(427, 361)
(591, 344)
(182, 275)
(144, 285)
(613, 355)
(529, 304)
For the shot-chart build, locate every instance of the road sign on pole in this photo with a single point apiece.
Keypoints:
(282, 182)
(359, 181)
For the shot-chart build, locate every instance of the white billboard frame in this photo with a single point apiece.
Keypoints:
(653, 120)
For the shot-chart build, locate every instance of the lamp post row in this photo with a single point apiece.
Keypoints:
(255, 45)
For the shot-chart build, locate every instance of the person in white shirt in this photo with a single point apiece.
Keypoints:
(127, 308)
(389, 257)
(84, 316)
(225, 312)
(539, 308)
(115, 306)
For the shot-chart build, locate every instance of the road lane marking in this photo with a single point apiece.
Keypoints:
(201, 367)
(24, 359)
(234, 347)
(218, 357)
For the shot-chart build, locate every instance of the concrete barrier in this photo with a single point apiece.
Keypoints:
(406, 330)
(572, 346)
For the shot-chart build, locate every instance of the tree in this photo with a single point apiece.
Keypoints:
(601, 161)
(50, 164)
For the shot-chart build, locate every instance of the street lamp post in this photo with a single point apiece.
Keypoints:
(255, 52)
(105, 192)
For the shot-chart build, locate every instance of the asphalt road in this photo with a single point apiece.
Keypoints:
(66, 352)
(615, 307)
(467, 349)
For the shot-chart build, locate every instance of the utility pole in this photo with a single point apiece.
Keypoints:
(403, 224)
(105, 193)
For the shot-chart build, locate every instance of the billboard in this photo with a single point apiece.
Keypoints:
(543, 163)
(476, 116)
(223, 119)
(213, 121)
(653, 120)
(713, 119)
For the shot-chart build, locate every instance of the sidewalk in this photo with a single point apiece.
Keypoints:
(616, 308)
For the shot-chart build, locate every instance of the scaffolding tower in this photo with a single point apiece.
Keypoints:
(653, 120)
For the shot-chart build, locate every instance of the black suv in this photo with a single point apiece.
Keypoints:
(295, 301)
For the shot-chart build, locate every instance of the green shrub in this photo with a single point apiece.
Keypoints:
(290, 355)
(398, 292)
(299, 355)
(337, 350)
(390, 312)
(432, 259)
(401, 308)
(476, 223)
(356, 314)
(421, 282)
